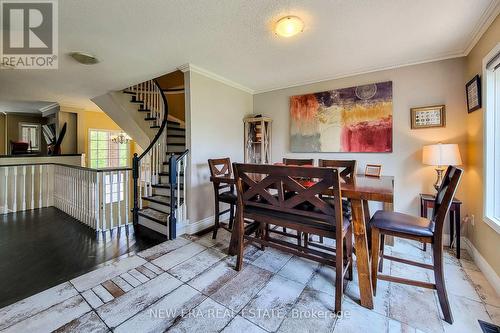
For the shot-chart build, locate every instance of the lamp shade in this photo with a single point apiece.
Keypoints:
(441, 155)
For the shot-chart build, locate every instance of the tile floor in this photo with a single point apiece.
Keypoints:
(189, 285)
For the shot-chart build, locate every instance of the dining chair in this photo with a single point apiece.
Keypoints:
(298, 161)
(222, 193)
(419, 229)
(347, 167)
(305, 212)
(347, 171)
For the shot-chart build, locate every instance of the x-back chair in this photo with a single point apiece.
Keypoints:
(222, 193)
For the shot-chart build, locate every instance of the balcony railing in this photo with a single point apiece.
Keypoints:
(99, 198)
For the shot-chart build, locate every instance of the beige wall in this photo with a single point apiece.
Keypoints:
(176, 106)
(69, 143)
(484, 238)
(420, 85)
(13, 120)
(215, 115)
(3, 135)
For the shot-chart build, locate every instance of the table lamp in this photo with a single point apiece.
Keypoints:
(441, 155)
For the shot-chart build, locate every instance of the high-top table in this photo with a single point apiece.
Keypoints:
(361, 190)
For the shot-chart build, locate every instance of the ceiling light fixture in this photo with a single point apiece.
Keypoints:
(289, 26)
(84, 58)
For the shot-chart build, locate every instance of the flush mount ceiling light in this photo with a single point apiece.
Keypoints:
(289, 26)
(84, 58)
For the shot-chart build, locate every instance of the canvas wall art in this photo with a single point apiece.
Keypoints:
(355, 119)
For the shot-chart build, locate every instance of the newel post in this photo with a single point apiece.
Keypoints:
(135, 177)
(172, 175)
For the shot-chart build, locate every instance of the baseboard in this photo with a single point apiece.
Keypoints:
(483, 265)
(193, 228)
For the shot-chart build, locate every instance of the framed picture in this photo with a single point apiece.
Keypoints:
(473, 93)
(428, 116)
(373, 170)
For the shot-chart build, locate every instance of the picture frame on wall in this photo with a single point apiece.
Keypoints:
(428, 117)
(473, 93)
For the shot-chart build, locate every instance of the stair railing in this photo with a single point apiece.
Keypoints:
(176, 167)
(147, 166)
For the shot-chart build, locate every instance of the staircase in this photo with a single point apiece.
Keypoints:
(158, 173)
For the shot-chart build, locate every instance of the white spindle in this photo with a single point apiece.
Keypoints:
(32, 202)
(23, 190)
(119, 206)
(111, 193)
(14, 204)
(104, 184)
(6, 191)
(126, 188)
(97, 204)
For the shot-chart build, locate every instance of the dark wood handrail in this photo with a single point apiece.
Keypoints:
(163, 124)
(136, 159)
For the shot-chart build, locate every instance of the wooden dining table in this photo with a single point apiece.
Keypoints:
(360, 189)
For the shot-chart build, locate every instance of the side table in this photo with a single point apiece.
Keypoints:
(427, 201)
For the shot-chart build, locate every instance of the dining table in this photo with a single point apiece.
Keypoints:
(359, 190)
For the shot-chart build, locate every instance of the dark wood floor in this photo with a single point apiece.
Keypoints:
(44, 247)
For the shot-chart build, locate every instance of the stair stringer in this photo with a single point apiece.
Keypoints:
(124, 113)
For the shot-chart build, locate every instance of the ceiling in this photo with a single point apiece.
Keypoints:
(138, 40)
(27, 106)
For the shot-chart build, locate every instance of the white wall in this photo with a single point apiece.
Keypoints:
(420, 85)
(214, 119)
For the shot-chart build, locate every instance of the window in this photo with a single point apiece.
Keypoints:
(115, 188)
(104, 153)
(492, 138)
(30, 133)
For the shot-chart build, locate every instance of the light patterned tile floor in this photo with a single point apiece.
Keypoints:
(190, 285)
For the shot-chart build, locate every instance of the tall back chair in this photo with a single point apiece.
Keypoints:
(298, 161)
(420, 229)
(261, 197)
(222, 193)
(347, 168)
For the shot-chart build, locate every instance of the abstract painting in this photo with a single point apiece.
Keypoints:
(355, 119)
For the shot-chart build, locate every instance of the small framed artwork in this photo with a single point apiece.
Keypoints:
(473, 93)
(428, 116)
(373, 170)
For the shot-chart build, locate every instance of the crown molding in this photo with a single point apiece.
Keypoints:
(367, 71)
(484, 23)
(192, 68)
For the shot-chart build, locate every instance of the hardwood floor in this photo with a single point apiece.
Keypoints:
(44, 247)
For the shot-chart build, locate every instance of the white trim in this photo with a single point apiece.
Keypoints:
(192, 68)
(484, 23)
(493, 224)
(483, 265)
(489, 121)
(193, 228)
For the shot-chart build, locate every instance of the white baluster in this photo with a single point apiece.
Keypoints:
(23, 190)
(104, 204)
(120, 191)
(14, 204)
(6, 191)
(111, 203)
(32, 202)
(127, 193)
(97, 204)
